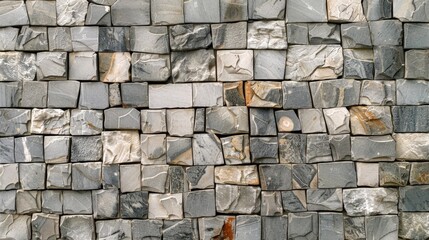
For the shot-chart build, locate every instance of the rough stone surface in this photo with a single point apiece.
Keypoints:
(370, 201)
(306, 11)
(237, 199)
(335, 93)
(193, 66)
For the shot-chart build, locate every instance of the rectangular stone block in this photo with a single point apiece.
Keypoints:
(263, 9)
(9, 176)
(370, 201)
(262, 122)
(233, 93)
(266, 35)
(324, 33)
(111, 228)
(153, 149)
(229, 35)
(248, 227)
(229, 202)
(114, 67)
(306, 11)
(294, 201)
(94, 95)
(234, 65)
(237, 175)
(51, 65)
(410, 11)
(337, 175)
(394, 173)
(130, 178)
(98, 15)
(52, 201)
(7, 153)
(83, 66)
(413, 199)
(50, 121)
(77, 226)
(150, 39)
(199, 203)
(234, 120)
(180, 122)
(17, 66)
(190, 37)
(207, 94)
(179, 151)
(263, 94)
(34, 94)
(84, 38)
(122, 118)
(29, 149)
(28, 202)
(331, 226)
(358, 63)
(32, 176)
(264, 149)
(373, 149)
(415, 62)
(58, 176)
(11, 94)
(13, 13)
(207, 149)
(269, 64)
(330, 199)
(374, 92)
(8, 199)
(153, 121)
(410, 118)
(372, 120)
(200, 177)
(377, 9)
(86, 148)
(318, 148)
(59, 39)
(296, 95)
(170, 96)
(304, 176)
(356, 35)
(114, 39)
(386, 32)
(415, 35)
(63, 94)
(312, 120)
(335, 93)
(276, 177)
(167, 12)
(134, 205)
(77, 202)
(271, 205)
(154, 178)
(126, 12)
(86, 176)
(367, 174)
(412, 146)
(389, 227)
(120, 147)
(165, 206)
(39, 41)
(388, 62)
(412, 92)
(236, 149)
(292, 147)
(211, 227)
(86, 122)
(413, 225)
(303, 225)
(201, 11)
(345, 11)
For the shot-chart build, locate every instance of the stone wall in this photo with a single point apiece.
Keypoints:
(214, 119)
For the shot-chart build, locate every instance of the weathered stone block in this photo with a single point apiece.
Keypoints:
(120, 147)
(377, 9)
(335, 93)
(264, 150)
(223, 226)
(269, 64)
(375, 92)
(336, 175)
(237, 175)
(229, 35)
(63, 94)
(411, 146)
(114, 39)
(386, 32)
(128, 12)
(130, 177)
(276, 177)
(59, 39)
(86, 176)
(32, 176)
(372, 120)
(186, 228)
(154, 178)
(114, 67)
(337, 120)
(294, 201)
(147, 229)
(85, 149)
(167, 12)
(176, 179)
(263, 9)
(150, 67)
(207, 150)
(415, 62)
(394, 174)
(190, 37)
(34, 94)
(418, 173)
(370, 201)
(345, 11)
(228, 200)
(94, 95)
(413, 198)
(303, 225)
(262, 122)
(52, 201)
(105, 203)
(287, 121)
(29, 149)
(304, 176)
(153, 148)
(410, 118)
(14, 122)
(9, 176)
(324, 33)
(199, 203)
(153, 121)
(356, 35)
(296, 95)
(382, 227)
(7, 153)
(414, 35)
(28, 202)
(98, 15)
(413, 225)
(358, 63)
(234, 120)
(200, 177)
(165, 206)
(318, 148)
(84, 38)
(122, 118)
(58, 176)
(83, 66)
(354, 227)
(110, 176)
(202, 11)
(45, 226)
(312, 120)
(11, 94)
(410, 11)
(331, 226)
(248, 227)
(234, 65)
(8, 36)
(292, 147)
(50, 121)
(306, 11)
(297, 33)
(367, 174)
(179, 151)
(77, 227)
(86, 122)
(77, 202)
(112, 228)
(233, 94)
(325, 199)
(13, 13)
(150, 39)
(193, 66)
(374, 148)
(388, 62)
(267, 35)
(17, 66)
(51, 66)
(32, 39)
(135, 94)
(170, 96)
(271, 205)
(71, 12)
(263, 94)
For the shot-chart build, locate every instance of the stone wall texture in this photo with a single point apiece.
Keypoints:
(214, 119)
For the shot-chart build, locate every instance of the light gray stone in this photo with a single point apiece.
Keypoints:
(190, 37)
(331, 226)
(179, 151)
(11, 94)
(411, 146)
(110, 176)
(388, 62)
(371, 120)
(335, 93)
(306, 11)
(10, 223)
(337, 120)
(52, 201)
(59, 39)
(234, 65)
(8, 201)
(207, 149)
(165, 206)
(129, 12)
(312, 120)
(413, 225)
(233, 120)
(29, 149)
(28, 202)
(153, 121)
(373, 148)
(345, 11)
(367, 174)
(147, 229)
(200, 177)
(271, 204)
(410, 11)
(237, 199)
(377, 9)
(112, 228)
(149, 39)
(114, 67)
(153, 149)
(63, 94)
(84, 38)
(98, 15)
(120, 147)
(287, 121)
(17, 65)
(370, 201)
(50, 121)
(154, 178)
(336, 175)
(420, 31)
(45, 226)
(167, 12)
(13, 13)
(86, 122)
(94, 95)
(266, 35)
(237, 175)
(324, 33)
(34, 94)
(248, 227)
(56, 149)
(180, 122)
(199, 203)
(232, 11)
(386, 32)
(297, 33)
(382, 227)
(32, 176)
(51, 66)
(71, 12)
(303, 225)
(236, 149)
(130, 177)
(135, 94)
(229, 35)
(269, 64)
(207, 94)
(200, 120)
(330, 199)
(318, 148)
(58, 176)
(411, 92)
(83, 66)
(219, 226)
(77, 202)
(8, 37)
(374, 92)
(263, 94)
(9, 176)
(86, 148)
(122, 118)
(193, 66)
(7, 150)
(77, 227)
(86, 176)
(170, 96)
(201, 11)
(356, 35)
(266, 9)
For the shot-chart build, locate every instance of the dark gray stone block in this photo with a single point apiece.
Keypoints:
(264, 149)
(330, 199)
(292, 147)
(297, 33)
(324, 33)
(276, 177)
(335, 93)
(294, 201)
(304, 176)
(410, 118)
(262, 122)
(414, 198)
(129, 12)
(115, 39)
(199, 203)
(86, 176)
(358, 64)
(394, 174)
(274, 227)
(356, 35)
(303, 225)
(135, 94)
(134, 205)
(377, 9)
(296, 95)
(151, 229)
(386, 32)
(331, 226)
(388, 62)
(85, 149)
(336, 175)
(248, 227)
(186, 229)
(318, 148)
(7, 150)
(190, 37)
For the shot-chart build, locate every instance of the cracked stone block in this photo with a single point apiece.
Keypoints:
(318, 148)
(377, 9)
(294, 201)
(29, 149)
(58, 176)
(297, 33)
(149, 39)
(129, 12)
(28, 202)
(130, 177)
(200, 177)
(120, 147)
(382, 227)
(51, 65)
(229, 35)
(71, 12)
(207, 94)
(193, 66)
(15, 226)
(32, 39)
(59, 39)
(236, 149)
(84, 38)
(234, 65)
(85, 149)
(271, 205)
(266, 9)
(418, 173)
(337, 120)
(388, 62)
(231, 199)
(312, 120)
(17, 65)
(153, 149)
(86, 122)
(415, 33)
(410, 11)
(86, 176)
(7, 147)
(394, 174)
(179, 151)
(50, 121)
(412, 92)
(264, 149)
(324, 33)
(77, 202)
(114, 39)
(306, 11)
(150, 67)
(176, 179)
(415, 64)
(304, 176)
(77, 227)
(358, 63)
(248, 227)
(110, 176)
(207, 149)
(413, 225)
(114, 67)
(292, 147)
(113, 228)
(410, 118)
(234, 120)
(335, 93)
(13, 13)
(200, 120)
(170, 96)
(296, 95)
(262, 122)
(105, 203)
(237, 175)
(287, 121)
(199, 203)
(331, 226)
(345, 11)
(274, 227)
(373, 148)
(167, 12)
(153, 121)
(409, 146)
(354, 227)
(263, 94)
(413, 198)
(83, 66)
(122, 118)
(189, 37)
(375, 92)
(154, 178)
(45, 226)
(165, 206)
(98, 15)
(52, 201)
(386, 32)
(34, 94)
(303, 225)
(356, 35)
(371, 120)
(142, 229)
(199, 11)
(135, 94)
(367, 174)
(186, 229)
(63, 94)
(222, 226)
(94, 95)
(233, 94)
(276, 177)
(370, 201)
(269, 64)
(321, 62)
(336, 175)
(8, 36)
(232, 10)
(9, 176)
(32, 176)
(11, 94)
(266, 35)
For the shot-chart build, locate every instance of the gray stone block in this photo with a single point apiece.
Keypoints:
(394, 174)
(115, 98)
(415, 35)
(189, 37)
(410, 118)
(263, 94)
(237, 175)
(129, 12)
(269, 64)
(32, 39)
(50, 121)
(358, 63)
(415, 62)
(234, 65)
(114, 144)
(15, 226)
(229, 202)
(56, 149)
(276, 177)
(200, 177)
(7, 147)
(165, 206)
(180, 229)
(370, 201)
(179, 151)
(377, 9)
(335, 93)
(324, 33)
(297, 33)
(63, 94)
(413, 198)
(330, 199)
(306, 11)
(375, 92)
(11, 94)
(262, 122)
(71, 12)
(130, 177)
(29, 149)
(386, 32)
(17, 65)
(147, 229)
(134, 205)
(84, 38)
(14, 13)
(201, 11)
(318, 148)
(59, 39)
(232, 11)
(373, 149)
(51, 66)
(382, 227)
(32, 176)
(150, 67)
(331, 226)
(410, 11)
(356, 35)
(264, 149)
(367, 174)
(114, 39)
(248, 227)
(176, 179)
(167, 12)
(153, 149)
(274, 227)
(236, 149)
(229, 35)
(217, 226)
(235, 120)
(304, 176)
(149, 39)
(413, 225)
(296, 95)
(98, 15)
(287, 121)
(111, 228)
(8, 36)
(354, 227)
(271, 205)
(14, 122)
(86, 176)
(58, 176)
(337, 120)
(85, 149)
(340, 147)
(193, 66)
(94, 96)
(417, 173)
(134, 94)
(77, 202)
(207, 94)
(77, 227)
(266, 35)
(34, 94)
(83, 66)
(345, 11)
(28, 202)
(412, 92)
(312, 120)
(122, 118)
(207, 149)
(110, 176)
(233, 93)
(45, 226)
(303, 225)
(371, 120)
(153, 121)
(388, 62)
(86, 122)
(199, 203)
(52, 201)
(336, 175)
(266, 9)
(9, 176)
(294, 201)
(154, 178)
(292, 147)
